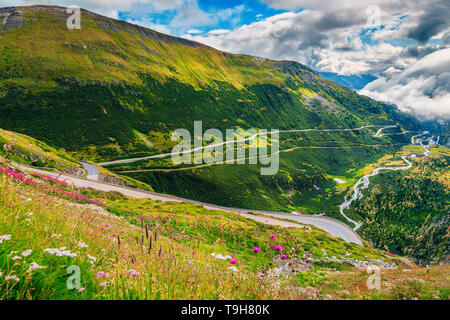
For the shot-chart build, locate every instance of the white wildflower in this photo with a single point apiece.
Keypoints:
(220, 256)
(81, 290)
(14, 278)
(6, 237)
(27, 253)
(57, 236)
(234, 269)
(35, 266)
(61, 252)
(16, 258)
(29, 214)
(82, 245)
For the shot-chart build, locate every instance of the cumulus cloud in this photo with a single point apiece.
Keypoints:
(422, 89)
(326, 42)
(434, 19)
(424, 19)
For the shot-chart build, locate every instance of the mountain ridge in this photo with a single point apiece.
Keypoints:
(17, 17)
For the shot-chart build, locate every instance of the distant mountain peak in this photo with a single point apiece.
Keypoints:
(354, 81)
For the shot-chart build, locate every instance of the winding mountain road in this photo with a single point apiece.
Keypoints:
(93, 173)
(331, 226)
(165, 155)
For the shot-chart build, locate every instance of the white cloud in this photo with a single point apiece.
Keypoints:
(194, 31)
(333, 5)
(326, 43)
(190, 16)
(422, 89)
(217, 32)
(184, 14)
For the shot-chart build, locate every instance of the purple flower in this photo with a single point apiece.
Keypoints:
(133, 273)
(256, 249)
(279, 248)
(101, 274)
(233, 261)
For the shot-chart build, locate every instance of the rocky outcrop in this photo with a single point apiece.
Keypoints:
(11, 18)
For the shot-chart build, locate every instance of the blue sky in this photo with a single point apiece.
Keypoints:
(211, 15)
(245, 12)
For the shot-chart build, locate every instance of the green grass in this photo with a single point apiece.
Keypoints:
(409, 215)
(169, 245)
(24, 149)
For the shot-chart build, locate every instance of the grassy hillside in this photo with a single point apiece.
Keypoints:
(24, 149)
(140, 249)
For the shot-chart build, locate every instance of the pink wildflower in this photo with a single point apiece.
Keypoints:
(133, 273)
(279, 248)
(272, 236)
(256, 249)
(233, 261)
(101, 274)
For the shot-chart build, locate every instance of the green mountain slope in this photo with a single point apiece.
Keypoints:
(114, 90)
(410, 214)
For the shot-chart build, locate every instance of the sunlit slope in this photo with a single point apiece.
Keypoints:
(23, 149)
(37, 44)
